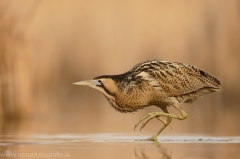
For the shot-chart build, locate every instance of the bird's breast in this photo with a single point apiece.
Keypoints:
(134, 99)
(120, 108)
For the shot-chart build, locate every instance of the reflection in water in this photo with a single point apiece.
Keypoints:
(151, 150)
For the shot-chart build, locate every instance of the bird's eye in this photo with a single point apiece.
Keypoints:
(99, 81)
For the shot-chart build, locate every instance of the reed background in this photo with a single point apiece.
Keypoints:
(45, 46)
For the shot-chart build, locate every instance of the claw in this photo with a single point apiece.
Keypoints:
(168, 122)
(149, 116)
(170, 126)
(136, 125)
(145, 122)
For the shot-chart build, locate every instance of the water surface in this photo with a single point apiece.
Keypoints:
(118, 146)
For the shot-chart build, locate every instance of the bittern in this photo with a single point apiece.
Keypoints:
(155, 82)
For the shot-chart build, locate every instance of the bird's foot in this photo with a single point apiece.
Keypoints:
(153, 138)
(148, 117)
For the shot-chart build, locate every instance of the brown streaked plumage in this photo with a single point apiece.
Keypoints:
(155, 82)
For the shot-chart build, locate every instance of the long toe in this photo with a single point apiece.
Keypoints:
(145, 122)
(142, 119)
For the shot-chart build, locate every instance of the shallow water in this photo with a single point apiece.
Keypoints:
(118, 146)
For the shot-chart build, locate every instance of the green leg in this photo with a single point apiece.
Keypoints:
(150, 116)
(154, 137)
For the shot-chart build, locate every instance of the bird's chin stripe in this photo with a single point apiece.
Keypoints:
(104, 91)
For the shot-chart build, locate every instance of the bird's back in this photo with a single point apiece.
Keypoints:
(176, 79)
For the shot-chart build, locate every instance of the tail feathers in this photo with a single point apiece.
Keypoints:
(215, 89)
(205, 91)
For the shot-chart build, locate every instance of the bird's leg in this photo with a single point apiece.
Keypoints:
(148, 117)
(182, 116)
(154, 137)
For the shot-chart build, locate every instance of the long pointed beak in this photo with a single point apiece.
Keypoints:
(90, 83)
(85, 83)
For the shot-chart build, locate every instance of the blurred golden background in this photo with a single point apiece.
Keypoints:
(45, 46)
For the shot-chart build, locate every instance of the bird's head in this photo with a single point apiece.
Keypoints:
(105, 84)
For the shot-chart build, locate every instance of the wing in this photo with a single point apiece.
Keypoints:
(175, 79)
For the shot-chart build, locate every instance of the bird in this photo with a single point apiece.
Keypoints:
(155, 82)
